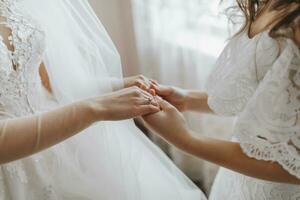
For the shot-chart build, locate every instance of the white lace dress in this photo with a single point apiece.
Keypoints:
(258, 81)
(110, 160)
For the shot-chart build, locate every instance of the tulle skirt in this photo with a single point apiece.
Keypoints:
(108, 161)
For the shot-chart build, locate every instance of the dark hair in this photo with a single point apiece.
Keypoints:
(287, 22)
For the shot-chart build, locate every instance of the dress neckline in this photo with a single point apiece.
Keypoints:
(256, 35)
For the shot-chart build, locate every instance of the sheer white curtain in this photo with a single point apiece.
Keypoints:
(116, 16)
(178, 42)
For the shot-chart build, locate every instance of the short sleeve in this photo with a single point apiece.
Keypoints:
(238, 72)
(269, 126)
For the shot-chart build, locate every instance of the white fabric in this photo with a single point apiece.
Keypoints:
(110, 160)
(178, 43)
(77, 45)
(257, 80)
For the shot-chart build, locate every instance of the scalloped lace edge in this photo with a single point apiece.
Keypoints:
(268, 152)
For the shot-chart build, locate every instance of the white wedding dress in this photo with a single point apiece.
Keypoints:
(108, 161)
(258, 81)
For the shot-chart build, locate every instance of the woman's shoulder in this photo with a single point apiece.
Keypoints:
(279, 44)
(268, 49)
(243, 65)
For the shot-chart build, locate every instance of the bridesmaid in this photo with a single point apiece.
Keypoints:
(257, 79)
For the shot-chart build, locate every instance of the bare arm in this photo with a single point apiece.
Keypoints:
(230, 155)
(223, 153)
(197, 101)
(21, 137)
(184, 100)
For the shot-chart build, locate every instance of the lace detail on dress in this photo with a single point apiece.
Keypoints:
(269, 128)
(280, 153)
(238, 72)
(268, 121)
(19, 68)
(248, 188)
(230, 106)
(28, 43)
(16, 171)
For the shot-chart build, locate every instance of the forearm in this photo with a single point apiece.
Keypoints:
(197, 101)
(23, 137)
(230, 155)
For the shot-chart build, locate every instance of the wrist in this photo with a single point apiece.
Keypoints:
(197, 101)
(94, 110)
(186, 141)
(117, 84)
(196, 145)
(188, 101)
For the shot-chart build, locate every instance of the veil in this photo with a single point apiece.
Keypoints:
(109, 160)
(81, 62)
(80, 58)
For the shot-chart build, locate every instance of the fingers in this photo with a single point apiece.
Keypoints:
(158, 90)
(137, 92)
(147, 101)
(149, 98)
(146, 93)
(146, 84)
(154, 82)
(142, 82)
(148, 109)
(152, 92)
(164, 105)
(144, 98)
(164, 90)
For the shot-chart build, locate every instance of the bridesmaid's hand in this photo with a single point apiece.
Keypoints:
(175, 96)
(169, 123)
(140, 81)
(123, 104)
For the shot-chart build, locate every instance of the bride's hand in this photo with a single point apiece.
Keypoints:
(141, 82)
(169, 123)
(123, 104)
(175, 96)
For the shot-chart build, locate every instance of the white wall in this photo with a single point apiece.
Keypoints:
(117, 18)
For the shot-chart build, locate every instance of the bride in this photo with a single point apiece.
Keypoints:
(61, 88)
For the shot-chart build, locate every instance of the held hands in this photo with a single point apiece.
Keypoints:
(140, 81)
(137, 99)
(169, 123)
(163, 115)
(175, 96)
(123, 104)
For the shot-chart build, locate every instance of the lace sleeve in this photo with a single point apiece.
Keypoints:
(269, 127)
(238, 72)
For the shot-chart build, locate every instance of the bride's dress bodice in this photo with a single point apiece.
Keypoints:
(21, 90)
(19, 68)
(258, 81)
